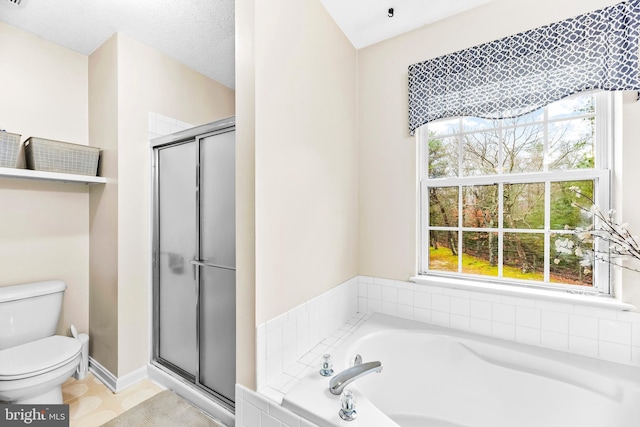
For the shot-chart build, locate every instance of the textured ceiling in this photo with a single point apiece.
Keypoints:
(200, 33)
(197, 33)
(365, 22)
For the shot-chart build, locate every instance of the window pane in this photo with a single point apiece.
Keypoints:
(524, 206)
(443, 251)
(571, 260)
(572, 106)
(443, 206)
(480, 153)
(495, 205)
(571, 144)
(443, 157)
(474, 124)
(565, 215)
(480, 209)
(523, 149)
(523, 256)
(534, 116)
(480, 253)
(444, 127)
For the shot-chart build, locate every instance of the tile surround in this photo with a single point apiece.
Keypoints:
(596, 332)
(303, 334)
(285, 355)
(254, 410)
(291, 345)
(160, 125)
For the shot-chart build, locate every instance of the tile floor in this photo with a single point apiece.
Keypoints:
(92, 404)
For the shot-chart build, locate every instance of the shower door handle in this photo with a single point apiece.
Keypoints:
(208, 264)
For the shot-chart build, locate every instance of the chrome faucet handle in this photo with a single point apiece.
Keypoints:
(357, 360)
(348, 406)
(326, 370)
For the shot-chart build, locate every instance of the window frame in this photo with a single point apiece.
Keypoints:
(601, 174)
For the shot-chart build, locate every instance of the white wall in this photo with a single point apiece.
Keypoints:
(387, 154)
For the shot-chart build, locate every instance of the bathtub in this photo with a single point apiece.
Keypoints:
(438, 377)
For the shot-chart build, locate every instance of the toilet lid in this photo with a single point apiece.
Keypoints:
(37, 356)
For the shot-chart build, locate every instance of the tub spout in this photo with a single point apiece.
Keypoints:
(340, 381)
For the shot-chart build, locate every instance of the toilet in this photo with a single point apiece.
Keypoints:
(34, 362)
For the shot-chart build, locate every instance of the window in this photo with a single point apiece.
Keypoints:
(496, 195)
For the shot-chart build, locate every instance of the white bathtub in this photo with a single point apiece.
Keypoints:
(437, 377)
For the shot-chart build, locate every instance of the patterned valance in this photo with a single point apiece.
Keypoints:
(521, 73)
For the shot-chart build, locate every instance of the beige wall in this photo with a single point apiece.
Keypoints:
(627, 193)
(145, 81)
(148, 81)
(103, 206)
(44, 226)
(305, 155)
(387, 154)
(98, 236)
(245, 195)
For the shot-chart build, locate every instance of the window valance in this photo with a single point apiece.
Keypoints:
(521, 73)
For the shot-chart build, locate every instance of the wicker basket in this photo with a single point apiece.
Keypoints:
(9, 149)
(56, 156)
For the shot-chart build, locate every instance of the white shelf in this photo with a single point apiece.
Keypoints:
(51, 176)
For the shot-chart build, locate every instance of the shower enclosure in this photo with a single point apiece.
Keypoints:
(194, 258)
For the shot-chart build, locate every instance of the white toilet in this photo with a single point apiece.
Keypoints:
(33, 361)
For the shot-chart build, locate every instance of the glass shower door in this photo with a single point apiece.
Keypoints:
(218, 262)
(195, 259)
(175, 314)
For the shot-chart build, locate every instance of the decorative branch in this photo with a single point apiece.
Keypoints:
(620, 242)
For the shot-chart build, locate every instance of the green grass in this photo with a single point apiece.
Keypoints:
(441, 259)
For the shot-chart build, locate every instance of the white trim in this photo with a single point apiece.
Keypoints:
(518, 178)
(103, 374)
(131, 378)
(605, 302)
(422, 215)
(113, 383)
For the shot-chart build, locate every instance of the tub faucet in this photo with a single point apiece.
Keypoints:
(357, 360)
(340, 381)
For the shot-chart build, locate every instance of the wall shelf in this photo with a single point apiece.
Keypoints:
(51, 176)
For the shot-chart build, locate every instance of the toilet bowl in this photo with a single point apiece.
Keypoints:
(34, 372)
(33, 361)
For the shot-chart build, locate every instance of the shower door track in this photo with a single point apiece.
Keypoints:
(189, 380)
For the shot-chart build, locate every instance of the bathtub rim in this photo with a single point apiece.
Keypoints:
(323, 409)
(379, 321)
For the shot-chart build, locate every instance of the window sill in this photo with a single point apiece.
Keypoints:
(603, 302)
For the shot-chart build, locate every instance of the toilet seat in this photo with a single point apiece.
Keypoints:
(37, 357)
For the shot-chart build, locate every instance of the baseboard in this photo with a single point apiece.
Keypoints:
(112, 382)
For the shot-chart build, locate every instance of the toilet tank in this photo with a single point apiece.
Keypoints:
(29, 311)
